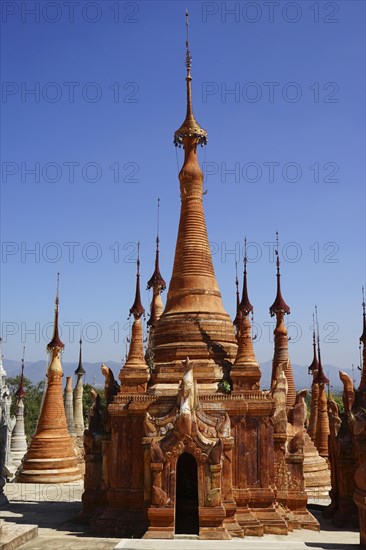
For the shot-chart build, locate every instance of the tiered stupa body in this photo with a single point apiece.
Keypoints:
(135, 373)
(18, 445)
(245, 373)
(194, 322)
(51, 457)
(178, 454)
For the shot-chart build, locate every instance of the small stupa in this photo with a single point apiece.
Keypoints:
(51, 457)
(18, 444)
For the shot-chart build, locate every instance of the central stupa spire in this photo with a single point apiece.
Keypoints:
(190, 126)
(194, 322)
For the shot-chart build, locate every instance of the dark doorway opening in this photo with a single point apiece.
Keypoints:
(186, 507)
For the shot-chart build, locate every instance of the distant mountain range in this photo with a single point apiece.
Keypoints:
(36, 372)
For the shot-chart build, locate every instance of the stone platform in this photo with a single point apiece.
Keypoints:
(12, 535)
(54, 508)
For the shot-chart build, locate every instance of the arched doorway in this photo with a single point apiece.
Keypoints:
(186, 496)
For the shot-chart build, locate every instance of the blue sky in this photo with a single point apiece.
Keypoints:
(280, 89)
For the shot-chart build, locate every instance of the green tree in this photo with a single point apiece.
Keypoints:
(336, 396)
(88, 400)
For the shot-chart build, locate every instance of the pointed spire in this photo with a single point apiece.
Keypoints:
(314, 365)
(56, 342)
(320, 378)
(363, 335)
(362, 385)
(313, 369)
(156, 280)
(21, 391)
(193, 294)
(279, 305)
(137, 308)
(190, 127)
(238, 315)
(134, 375)
(245, 305)
(80, 370)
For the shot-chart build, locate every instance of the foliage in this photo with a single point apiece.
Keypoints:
(308, 403)
(88, 400)
(32, 402)
(224, 386)
(337, 397)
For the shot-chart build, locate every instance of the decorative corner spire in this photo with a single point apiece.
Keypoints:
(279, 305)
(363, 335)
(20, 393)
(56, 342)
(190, 127)
(238, 315)
(137, 309)
(156, 281)
(245, 305)
(80, 370)
(320, 378)
(314, 365)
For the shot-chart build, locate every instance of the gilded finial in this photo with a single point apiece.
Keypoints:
(320, 377)
(137, 308)
(314, 365)
(245, 255)
(80, 369)
(56, 342)
(316, 323)
(21, 391)
(188, 54)
(279, 305)
(360, 354)
(57, 288)
(245, 305)
(238, 315)
(277, 256)
(156, 280)
(363, 335)
(190, 126)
